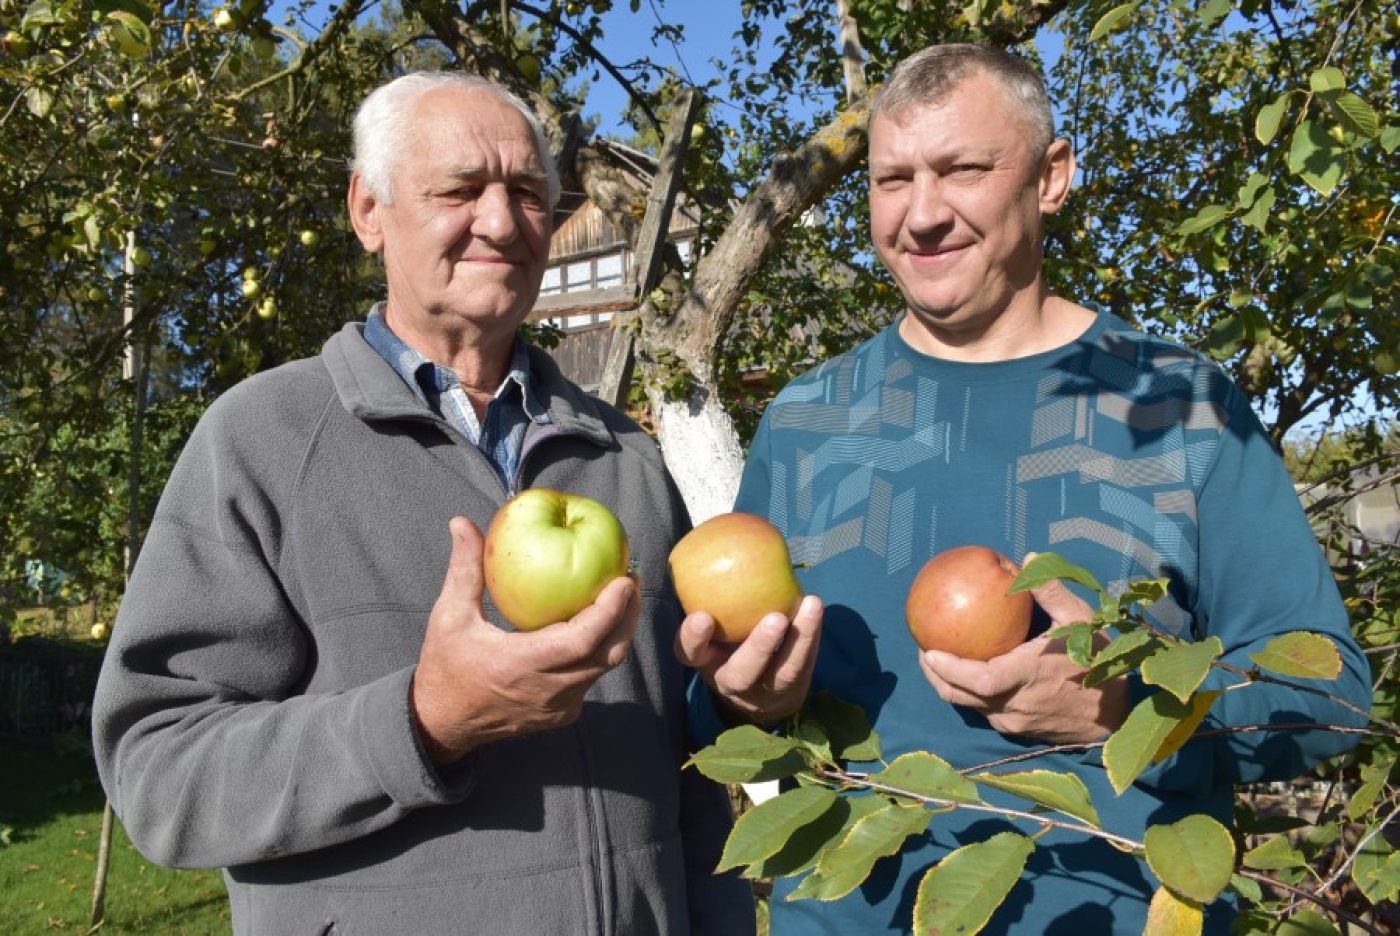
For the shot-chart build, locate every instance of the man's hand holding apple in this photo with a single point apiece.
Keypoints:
(1034, 690)
(764, 678)
(477, 683)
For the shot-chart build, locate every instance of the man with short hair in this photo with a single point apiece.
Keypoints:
(306, 685)
(995, 413)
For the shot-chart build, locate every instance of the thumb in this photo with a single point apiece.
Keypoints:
(1056, 600)
(464, 583)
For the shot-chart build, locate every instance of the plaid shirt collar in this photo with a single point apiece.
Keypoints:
(515, 403)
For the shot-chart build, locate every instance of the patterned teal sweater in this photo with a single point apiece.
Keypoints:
(1127, 455)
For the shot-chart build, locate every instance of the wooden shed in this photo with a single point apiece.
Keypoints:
(590, 277)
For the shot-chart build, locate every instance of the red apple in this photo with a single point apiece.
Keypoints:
(959, 603)
(736, 567)
(548, 554)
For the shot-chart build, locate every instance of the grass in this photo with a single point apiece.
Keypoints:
(50, 824)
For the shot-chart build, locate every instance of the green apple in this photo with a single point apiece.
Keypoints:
(267, 308)
(251, 288)
(140, 258)
(960, 602)
(309, 238)
(224, 20)
(736, 567)
(529, 65)
(99, 631)
(548, 554)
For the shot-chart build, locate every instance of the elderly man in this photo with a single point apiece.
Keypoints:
(306, 685)
(995, 413)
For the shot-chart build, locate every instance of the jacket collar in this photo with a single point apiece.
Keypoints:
(369, 389)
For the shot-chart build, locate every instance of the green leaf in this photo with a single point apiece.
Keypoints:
(1274, 854)
(812, 737)
(1390, 138)
(1302, 654)
(842, 869)
(808, 843)
(1200, 705)
(1170, 914)
(1180, 669)
(1047, 567)
(1306, 923)
(1061, 792)
(852, 736)
(764, 829)
(1327, 79)
(1270, 118)
(1355, 114)
(748, 754)
(1131, 748)
(927, 775)
(1207, 217)
(961, 892)
(1313, 156)
(1373, 779)
(1257, 216)
(1144, 591)
(1124, 654)
(1215, 10)
(1194, 856)
(1112, 20)
(1248, 888)
(1376, 870)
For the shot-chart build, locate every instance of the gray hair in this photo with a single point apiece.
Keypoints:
(384, 124)
(930, 75)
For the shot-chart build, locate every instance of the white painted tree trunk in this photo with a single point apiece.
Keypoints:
(702, 451)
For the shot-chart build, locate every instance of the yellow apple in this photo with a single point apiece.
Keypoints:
(736, 567)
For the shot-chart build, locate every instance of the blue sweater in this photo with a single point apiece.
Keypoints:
(1127, 455)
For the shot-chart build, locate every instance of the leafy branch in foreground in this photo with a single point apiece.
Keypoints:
(833, 823)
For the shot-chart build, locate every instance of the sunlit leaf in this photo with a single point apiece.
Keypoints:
(1274, 854)
(1112, 20)
(1302, 654)
(748, 754)
(1062, 792)
(1315, 158)
(1327, 79)
(1123, 654)
(1376, 870)
(1373, 781)
(1355, 114)
(1270, 118)
(926, 775)
(1047, 567)
(1171, 915)
(808, 843)
(961, 892)
(1194, 856)
(1184, 729)
(1180, 669)
(1207, 217)
(1131, 748)
(1306, 923)
(842, 869)
(764, 829)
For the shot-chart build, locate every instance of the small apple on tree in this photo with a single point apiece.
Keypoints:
(736, 567)
(548, 554)
(961, 603)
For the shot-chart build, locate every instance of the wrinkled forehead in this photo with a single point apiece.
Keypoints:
(447, 119)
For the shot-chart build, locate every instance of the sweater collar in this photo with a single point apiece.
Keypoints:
(370, 389)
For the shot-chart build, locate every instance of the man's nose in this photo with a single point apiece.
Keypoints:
(495, 215)
(929, 208)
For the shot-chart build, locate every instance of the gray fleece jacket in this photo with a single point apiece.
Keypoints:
(252, 712)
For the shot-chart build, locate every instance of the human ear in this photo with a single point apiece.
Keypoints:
(364, 214)
(1056, 176)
